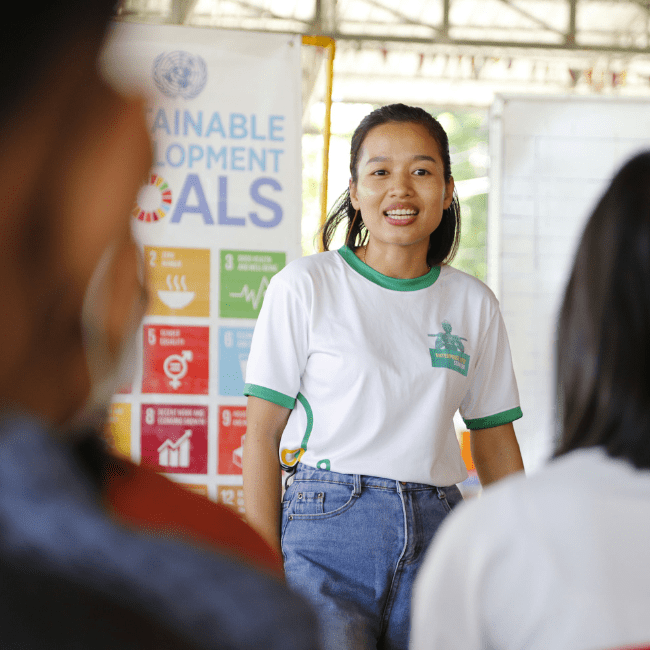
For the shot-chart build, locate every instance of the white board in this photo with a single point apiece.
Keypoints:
(551, 160)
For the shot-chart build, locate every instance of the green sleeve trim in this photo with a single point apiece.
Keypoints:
(310, 420)
(395, 284)
(270, 395)
(495, 420)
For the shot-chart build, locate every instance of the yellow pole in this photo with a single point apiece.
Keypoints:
(329, 45)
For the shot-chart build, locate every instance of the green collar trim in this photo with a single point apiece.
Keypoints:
(396, 284)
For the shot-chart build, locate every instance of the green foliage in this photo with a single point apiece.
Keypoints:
(467, 132)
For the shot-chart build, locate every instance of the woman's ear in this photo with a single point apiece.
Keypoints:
(353, 194)
(449, 193)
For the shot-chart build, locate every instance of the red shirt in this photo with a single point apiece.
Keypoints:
(142, 498)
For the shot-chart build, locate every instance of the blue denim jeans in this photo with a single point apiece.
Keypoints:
(352, 545)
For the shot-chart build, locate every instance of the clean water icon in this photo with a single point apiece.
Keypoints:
(234, 348)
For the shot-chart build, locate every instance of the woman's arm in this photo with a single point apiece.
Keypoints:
(495, 453)
(261, 467)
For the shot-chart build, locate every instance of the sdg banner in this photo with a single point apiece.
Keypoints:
(217, 217)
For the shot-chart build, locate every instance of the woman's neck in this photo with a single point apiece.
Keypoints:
(402, 262)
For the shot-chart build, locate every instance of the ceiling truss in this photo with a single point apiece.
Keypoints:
(423, 48)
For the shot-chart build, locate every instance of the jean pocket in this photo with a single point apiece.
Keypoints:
(309, 503)
(323, 500)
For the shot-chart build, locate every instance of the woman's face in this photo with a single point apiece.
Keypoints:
(400, 189)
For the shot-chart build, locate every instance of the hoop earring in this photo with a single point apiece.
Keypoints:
(347, 236)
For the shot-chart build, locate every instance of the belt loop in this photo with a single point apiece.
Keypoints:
(356, 492)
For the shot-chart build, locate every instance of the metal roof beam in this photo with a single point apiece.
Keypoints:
(444, 30)
(403, 17)
(475, 43)
(265, 13)
(571, 29)
(531, 17)
(180, 11)
(644, 4)
(325, 18)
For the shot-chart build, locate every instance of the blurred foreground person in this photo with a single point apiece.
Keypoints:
(73, 572)
(562, 560)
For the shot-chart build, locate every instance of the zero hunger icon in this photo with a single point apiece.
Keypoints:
(179, 281)
(153, 201)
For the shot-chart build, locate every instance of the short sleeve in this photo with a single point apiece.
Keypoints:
(493, 398)
(279, 348)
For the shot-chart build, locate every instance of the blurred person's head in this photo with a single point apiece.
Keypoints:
(603, 348)
(73, 154)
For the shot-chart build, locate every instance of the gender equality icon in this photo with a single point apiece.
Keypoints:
(175, 367)
(175, 359)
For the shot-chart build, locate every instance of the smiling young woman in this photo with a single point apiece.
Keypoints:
(359, 360)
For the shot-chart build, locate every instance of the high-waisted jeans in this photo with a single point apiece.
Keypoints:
(352, 545)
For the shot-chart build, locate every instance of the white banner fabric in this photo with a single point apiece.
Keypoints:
(217, 217)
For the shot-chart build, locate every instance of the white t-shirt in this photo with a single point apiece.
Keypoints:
(379, 366)
(560, 560)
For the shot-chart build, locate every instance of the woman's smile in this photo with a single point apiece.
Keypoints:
(400, 214)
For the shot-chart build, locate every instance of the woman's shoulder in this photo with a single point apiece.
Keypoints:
(309, 268)
(457, 281)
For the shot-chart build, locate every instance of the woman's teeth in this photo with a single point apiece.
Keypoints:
(397, 214)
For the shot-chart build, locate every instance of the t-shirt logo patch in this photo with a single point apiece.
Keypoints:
(449, 351)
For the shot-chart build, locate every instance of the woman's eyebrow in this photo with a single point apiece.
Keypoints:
(386, 158)
(377, 159)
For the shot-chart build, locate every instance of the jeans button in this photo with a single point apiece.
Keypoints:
(300, 495)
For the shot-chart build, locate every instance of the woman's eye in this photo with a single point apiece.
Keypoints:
(421, 172)
(379, 172)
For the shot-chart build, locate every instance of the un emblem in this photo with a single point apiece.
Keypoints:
(180, 73)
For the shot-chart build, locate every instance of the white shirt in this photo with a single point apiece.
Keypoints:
(379, 366)
(558, 560)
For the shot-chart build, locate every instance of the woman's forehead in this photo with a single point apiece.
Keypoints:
(399, 139)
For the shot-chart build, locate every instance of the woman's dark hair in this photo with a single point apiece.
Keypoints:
(603, 351)
(443, 242)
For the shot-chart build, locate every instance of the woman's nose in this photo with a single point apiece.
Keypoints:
(401, 185)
